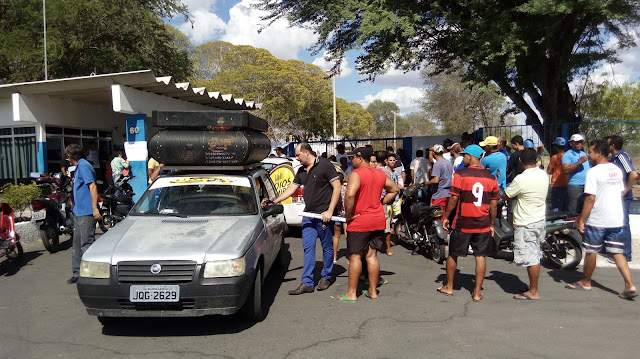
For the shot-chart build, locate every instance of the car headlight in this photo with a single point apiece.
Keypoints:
(95, 270)
(226, 268)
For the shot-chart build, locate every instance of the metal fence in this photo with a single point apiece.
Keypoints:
(543, 136)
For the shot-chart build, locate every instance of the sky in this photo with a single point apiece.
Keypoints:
(238, 22)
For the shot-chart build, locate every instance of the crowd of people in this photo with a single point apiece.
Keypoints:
(467, 180)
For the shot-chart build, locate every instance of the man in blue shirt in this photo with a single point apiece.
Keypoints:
(621, 159)
(495, 162)
(85, 209)
(575, 165)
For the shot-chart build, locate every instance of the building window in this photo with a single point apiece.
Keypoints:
(18, 152)
(58, 138)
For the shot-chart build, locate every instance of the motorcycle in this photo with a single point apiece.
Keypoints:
(561, 246)
(114, 206)
(10, 245)
(420, 224)
(53, 215)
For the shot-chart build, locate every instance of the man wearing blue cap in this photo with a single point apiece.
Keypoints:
(495, 162)
(474, 197)
(559, 179)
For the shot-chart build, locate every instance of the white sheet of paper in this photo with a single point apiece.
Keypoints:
(136, 151)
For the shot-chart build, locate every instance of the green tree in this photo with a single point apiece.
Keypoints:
(296, 96)
(607, 103)
(461, 106)
(353, 121)
(85, 37)
(529, 48)
(417, 124)
(383, 112)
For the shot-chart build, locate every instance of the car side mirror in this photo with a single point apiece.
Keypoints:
(273, 210)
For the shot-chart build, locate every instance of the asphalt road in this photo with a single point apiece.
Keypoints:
(42, 317)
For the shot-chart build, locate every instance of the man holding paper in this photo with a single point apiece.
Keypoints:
(365, 221)
(321, 194)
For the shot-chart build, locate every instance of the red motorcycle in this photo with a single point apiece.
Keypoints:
(53, 214)
(9, 240)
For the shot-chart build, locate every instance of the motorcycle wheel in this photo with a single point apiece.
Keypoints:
(50, 236)
(16, 253)
(437, 252)
(563, 251)
(107, 222)
(403, 230)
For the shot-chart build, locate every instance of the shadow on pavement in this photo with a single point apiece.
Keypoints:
(466, 281)
(563, 277)
(209, 325)
(9, 268)
(509, 283)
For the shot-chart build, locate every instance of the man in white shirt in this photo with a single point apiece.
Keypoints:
(419, 168)
(340, 148)
(529, 190)
(601, 220)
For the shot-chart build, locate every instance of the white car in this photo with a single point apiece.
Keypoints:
(282, 171)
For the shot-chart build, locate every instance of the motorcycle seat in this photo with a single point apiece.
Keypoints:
(553, 216)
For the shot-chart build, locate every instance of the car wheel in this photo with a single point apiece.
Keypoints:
(252, 308)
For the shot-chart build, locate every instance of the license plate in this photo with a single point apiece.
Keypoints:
(39, 215)
(154, 293)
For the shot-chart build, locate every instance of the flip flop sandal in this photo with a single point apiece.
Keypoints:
(576, 286)
(477, 300)
(627, 295)
(524, 296)
(445, 293)
(343, 298)
(366, 294)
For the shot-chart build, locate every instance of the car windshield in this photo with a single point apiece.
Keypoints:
(198, 196)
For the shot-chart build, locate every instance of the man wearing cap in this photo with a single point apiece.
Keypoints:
(474, 197)
(559, 179)
(321, 194)
(575, 165)
(365, 221)
(441, 176)
(495, 162)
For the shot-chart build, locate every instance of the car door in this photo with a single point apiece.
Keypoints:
(273, 224)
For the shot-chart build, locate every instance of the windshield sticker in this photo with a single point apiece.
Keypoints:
(203, 179)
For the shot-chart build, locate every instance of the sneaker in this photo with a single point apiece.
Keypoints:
(610, 260)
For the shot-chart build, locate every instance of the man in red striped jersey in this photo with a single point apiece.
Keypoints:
(474, 197)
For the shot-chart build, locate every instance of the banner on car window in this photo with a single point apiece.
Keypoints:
(282, 176)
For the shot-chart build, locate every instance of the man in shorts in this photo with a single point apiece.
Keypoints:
(601, 221)
(365, 221)
(382, 157)
(529, 190)
(474, 197)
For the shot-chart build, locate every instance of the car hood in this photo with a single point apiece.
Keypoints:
(200, 239)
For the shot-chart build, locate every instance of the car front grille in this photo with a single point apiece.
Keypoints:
(171, 272)
(181, 305)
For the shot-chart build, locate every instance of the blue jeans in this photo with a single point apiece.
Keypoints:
(626, 229)
(559, 198)
(313, 228)
(84, 234)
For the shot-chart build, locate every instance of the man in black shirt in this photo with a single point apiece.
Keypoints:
(321, 194)
(514, 167)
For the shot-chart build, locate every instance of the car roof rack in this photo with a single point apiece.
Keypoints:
(214, 168)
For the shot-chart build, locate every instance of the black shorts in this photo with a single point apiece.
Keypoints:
(358, 242)
(480, 243)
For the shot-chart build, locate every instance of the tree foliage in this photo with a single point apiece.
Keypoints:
(383, 112)
(296, 96)
(461, 106)
(529, 48)
(607, 103)
(353, 121)
(85, 37)
(417, 124)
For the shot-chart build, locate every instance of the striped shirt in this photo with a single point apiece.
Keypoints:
(623, 161)
(475, 187)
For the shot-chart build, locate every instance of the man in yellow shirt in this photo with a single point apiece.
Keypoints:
(529, 190)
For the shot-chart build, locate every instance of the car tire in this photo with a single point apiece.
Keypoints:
(252, 309)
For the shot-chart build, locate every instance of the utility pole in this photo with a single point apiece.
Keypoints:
(44, 20)
(394, 131)
(334, 108)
